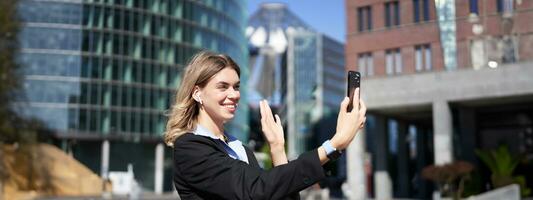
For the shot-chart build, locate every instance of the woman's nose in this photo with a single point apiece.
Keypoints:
(234, 94)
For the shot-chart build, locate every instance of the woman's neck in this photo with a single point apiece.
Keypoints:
(206, 121)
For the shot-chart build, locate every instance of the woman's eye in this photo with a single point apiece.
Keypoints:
(223, 87)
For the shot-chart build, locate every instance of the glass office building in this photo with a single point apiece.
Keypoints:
(315, 86)
(298, 70)
(108, 69)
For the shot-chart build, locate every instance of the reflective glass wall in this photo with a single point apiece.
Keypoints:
(99, 67)
(316, 86)
(51, 58)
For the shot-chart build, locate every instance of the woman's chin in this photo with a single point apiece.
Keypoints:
(228, 117)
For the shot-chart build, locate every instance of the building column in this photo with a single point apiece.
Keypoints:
(104, 170)
(292, 130)
(382, 180)
(442, 135)
(356, 167)
(159, 168)
(403, 183)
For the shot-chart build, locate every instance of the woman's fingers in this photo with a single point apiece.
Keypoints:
(362, 124)
(268, 122)
(356, 100)
(265, 110)
(261, 109)
(264, 121)
(342, 112)
(348, 123)
(344, 105)
(278, 121)
(362, 110)
(268, 111)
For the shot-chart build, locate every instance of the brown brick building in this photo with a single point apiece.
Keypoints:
(411, 27)
(442, 78)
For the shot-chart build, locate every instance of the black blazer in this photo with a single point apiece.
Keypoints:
(203, 170)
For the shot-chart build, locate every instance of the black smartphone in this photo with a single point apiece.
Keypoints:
(354, 81)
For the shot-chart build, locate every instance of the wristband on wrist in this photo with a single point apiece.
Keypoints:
(331, 152)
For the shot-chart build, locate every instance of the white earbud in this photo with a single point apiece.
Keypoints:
(198, 99)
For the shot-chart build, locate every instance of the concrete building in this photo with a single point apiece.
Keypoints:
(101, 74)
(441, 79)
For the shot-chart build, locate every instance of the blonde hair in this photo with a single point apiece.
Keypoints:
(184, 111)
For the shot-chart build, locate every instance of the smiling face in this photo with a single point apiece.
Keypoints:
(220, 96)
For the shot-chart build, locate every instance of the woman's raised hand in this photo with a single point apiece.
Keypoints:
(349, 123)
(273, 132)
(272, 128)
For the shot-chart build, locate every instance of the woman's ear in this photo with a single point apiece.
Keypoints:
(196, 95)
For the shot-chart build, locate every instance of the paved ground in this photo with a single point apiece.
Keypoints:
(168, 196)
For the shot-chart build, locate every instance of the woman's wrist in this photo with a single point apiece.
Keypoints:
(322, 155)
(277, 149)
(278, 155)
(276, 145)
(336, 143)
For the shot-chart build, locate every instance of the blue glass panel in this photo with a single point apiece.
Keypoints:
(50, 12)
(51, 38)
(446, 17)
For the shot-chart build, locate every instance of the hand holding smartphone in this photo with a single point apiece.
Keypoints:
(349, 121)
(354, 81)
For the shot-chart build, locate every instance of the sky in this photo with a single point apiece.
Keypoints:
(325, 16)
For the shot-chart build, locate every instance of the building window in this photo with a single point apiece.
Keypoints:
(474, 7)
(393, 61)
(505, 6)
(421, 10)
(365, 63)
(392, 14)
(423, 57)
(364, 18)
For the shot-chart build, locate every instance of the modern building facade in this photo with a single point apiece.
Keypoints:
(107, 70)
(300, 72)
(441, 79)
(267, 34)
(315, 86)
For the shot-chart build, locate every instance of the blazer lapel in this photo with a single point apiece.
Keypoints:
(252, 161)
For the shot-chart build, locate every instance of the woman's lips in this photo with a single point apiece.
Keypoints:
(230, 107)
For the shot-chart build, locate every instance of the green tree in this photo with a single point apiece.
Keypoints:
(9, 79)
(9, 69)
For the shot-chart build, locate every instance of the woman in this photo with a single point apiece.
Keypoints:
(211, 164)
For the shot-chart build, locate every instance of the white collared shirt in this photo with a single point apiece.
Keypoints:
(233, 147)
